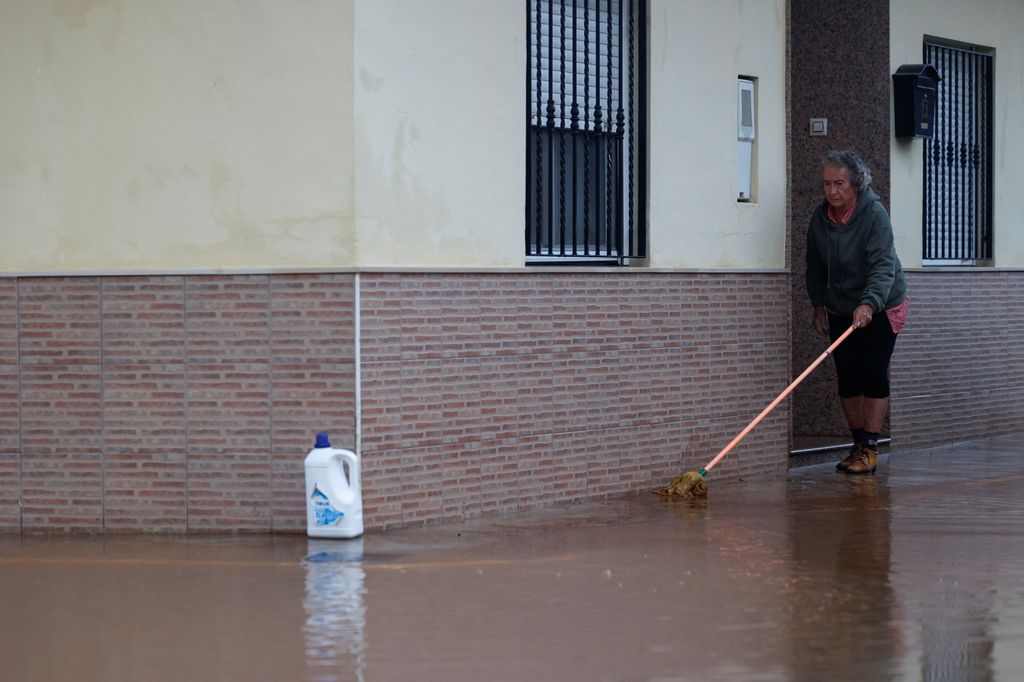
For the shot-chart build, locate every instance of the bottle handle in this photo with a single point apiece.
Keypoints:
(353, 467)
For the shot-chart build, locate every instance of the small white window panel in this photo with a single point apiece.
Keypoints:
(746, 132)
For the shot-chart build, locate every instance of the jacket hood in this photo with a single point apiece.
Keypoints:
(865, 199)
(856, 264)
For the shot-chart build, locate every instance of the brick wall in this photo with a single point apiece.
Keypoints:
(61, 412)
(490, 393)
(174, 404)
(10, 409)
(187, 404)
(169, 404)
(144, 387)
(958, 369)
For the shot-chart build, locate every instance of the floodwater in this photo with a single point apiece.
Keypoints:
(916, 573)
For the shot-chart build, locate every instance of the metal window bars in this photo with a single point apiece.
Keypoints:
(957, 193)
(585, 180)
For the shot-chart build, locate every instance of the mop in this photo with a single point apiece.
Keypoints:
(694, 483)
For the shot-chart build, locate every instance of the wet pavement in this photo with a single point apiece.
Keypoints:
(916, 573)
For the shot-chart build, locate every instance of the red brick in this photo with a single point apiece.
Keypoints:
(55, 500)
(955, 371)
(480, 392)
(10, 492)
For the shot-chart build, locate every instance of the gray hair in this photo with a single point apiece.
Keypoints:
(860, 174)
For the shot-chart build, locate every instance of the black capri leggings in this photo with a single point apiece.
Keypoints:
(862, 360)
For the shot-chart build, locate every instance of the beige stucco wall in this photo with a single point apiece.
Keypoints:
(221, 135)
(697, 51)
(995, 24)
(153, 135)
(440, 159)
(440, 135)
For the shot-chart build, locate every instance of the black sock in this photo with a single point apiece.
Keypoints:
(858, 436)
(871, 440)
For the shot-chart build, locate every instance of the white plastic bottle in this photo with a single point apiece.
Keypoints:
(334, 503)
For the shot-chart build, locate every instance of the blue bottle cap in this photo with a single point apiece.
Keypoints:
(322, 441)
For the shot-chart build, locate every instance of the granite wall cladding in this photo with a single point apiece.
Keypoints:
(187, 404)
(839, 70)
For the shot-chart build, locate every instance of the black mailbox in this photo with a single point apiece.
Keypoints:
(914, 90)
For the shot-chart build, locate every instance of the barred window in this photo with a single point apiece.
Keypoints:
(586, 133)
(958, 159)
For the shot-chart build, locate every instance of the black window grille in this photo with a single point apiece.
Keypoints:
(958, 159)
(586, 133)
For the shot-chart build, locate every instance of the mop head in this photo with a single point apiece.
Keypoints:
(690, 484)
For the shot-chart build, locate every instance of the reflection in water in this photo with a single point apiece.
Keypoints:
(335, 613)
(954, 544)
(841, 628)
(957, 649)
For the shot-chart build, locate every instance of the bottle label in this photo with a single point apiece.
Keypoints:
(323, 513)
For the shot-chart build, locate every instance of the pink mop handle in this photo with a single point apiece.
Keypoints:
(782, 396)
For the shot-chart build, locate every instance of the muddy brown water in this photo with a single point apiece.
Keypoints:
(916, 573)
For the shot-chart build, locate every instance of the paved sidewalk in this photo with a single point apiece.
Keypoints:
(916, 573)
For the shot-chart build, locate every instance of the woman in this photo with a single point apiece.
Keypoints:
(854, 277)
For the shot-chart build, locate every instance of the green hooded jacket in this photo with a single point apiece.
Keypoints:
(855, 264)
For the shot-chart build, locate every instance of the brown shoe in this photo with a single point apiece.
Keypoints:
(867, 460)
(850, 458)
